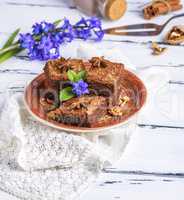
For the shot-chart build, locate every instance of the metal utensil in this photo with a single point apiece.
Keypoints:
(146, 29)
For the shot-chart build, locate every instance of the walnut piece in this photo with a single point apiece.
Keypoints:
(157, 50)
(124, 100)
(118, 110)
(175, 35)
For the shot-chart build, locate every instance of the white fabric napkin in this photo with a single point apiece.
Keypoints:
(43, 147)
(39, 162)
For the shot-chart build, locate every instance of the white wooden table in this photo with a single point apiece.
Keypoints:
(153, 164)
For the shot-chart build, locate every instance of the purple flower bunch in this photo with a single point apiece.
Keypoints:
(44, 41)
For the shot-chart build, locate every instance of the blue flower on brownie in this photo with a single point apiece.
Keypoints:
(78, 86)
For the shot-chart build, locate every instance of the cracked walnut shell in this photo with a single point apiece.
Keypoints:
(175, 35)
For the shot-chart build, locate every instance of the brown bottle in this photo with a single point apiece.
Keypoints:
(110, 9)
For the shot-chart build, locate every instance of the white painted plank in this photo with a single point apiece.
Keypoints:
(131, 187)
(154, 150)
(150, 150)
(165, 107)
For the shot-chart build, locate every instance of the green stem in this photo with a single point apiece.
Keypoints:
(12, 47)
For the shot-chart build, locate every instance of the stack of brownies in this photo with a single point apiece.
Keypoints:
(106, 101)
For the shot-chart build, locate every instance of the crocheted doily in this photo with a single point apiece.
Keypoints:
(39, 162)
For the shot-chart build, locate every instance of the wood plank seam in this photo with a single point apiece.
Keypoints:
(124, 172)
(154, 126)
(36, 5)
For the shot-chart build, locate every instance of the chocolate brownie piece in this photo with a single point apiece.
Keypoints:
(82, 111)
(56, 70)
(104, 77)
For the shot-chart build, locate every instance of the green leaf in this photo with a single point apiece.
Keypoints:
(11, 38)
(81, 75)
(71, 75)
(57, 22)
(66, 94)
(9, 54)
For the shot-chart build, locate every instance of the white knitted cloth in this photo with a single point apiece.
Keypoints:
(39, 162)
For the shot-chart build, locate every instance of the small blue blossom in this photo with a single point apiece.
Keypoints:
(54, 53)
(57, 38)
(67, 31)
(45, 43)
(34, 54)
(89, 28)
(26, 40)
(83, 33)
(47, 27)
(81, 22)
(96, 26)
(43, 27)
(94, 22)
(99, 33)
(37, 29)
(80, 88)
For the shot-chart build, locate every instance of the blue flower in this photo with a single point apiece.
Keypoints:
(94, 22)
(26, 40)
(35, 54)
(37, 29)
(54, 53)
(57, 38)
(45, 43)
(89, 29)
(66, 25)
(81, 22)
(67, 31)
(99, 33)
(47, 27)
(42, 27)
(83, 33)
(80, 88)
(96, 27)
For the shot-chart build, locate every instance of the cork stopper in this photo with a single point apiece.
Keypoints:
(115, 9)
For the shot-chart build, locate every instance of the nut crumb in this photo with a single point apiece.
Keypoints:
(115, 111)
(118, 110)
(157, 50)
(124, 100)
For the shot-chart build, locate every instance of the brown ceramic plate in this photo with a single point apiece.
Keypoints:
(132, 84)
